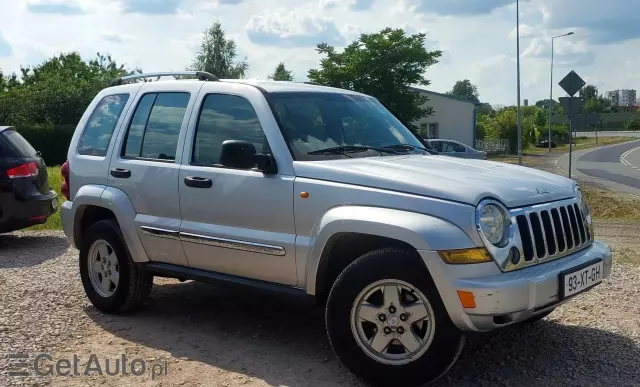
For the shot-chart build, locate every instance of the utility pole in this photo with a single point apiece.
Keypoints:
(551, 87)
(518, 71)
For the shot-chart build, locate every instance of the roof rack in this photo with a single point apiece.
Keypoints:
(201, 75)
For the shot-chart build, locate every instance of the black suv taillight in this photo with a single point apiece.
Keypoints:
(64, 171)
(24, 170)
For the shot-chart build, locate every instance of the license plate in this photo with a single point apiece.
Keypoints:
(581, 278)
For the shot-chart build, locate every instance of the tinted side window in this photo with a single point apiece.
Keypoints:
(155, 126)
(133, 144)
(226, 117)
(458, 148)
(97, 134)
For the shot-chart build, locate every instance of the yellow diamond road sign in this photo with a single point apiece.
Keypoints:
(572, 83)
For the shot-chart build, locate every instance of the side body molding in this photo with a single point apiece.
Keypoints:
(423, 232)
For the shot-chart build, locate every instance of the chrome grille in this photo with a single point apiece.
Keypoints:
(549, 231)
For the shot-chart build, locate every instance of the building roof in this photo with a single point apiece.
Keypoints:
(425, 91)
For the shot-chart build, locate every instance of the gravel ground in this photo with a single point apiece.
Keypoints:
(231, 336)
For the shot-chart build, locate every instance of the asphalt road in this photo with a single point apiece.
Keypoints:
(615, 166)
(609, 134)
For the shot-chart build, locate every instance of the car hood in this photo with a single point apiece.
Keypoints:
(462, 180)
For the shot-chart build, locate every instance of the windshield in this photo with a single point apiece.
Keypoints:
(314, 121)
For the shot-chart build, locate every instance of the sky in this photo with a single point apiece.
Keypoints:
(477, 37)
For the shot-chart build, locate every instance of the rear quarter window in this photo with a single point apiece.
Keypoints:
(14, 145)
(99, 129)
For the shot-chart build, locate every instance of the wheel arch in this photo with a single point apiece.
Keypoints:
(95, 203)
(344, 233)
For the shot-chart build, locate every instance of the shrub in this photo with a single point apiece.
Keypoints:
(51, 141)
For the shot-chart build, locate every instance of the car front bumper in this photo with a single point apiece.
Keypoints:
(504, 298)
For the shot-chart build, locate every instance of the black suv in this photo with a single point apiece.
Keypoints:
(26, 199)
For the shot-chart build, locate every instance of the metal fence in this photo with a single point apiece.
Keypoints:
(493, 145)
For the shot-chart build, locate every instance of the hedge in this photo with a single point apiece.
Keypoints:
(51, 141)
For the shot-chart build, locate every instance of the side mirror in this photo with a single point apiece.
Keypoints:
(242, 155)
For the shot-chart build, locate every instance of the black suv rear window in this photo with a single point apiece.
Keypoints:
(16, 145)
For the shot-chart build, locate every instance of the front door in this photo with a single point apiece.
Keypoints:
(147, 165)
(234, 221)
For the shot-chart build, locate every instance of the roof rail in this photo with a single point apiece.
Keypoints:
(201, 75)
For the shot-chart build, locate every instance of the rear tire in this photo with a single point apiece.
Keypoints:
(434, 342)
(105, 259)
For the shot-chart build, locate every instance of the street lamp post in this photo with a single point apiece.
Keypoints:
(518, 81)
(551, 87)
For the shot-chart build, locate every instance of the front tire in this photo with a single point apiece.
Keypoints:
(386, 322)
(111, 279)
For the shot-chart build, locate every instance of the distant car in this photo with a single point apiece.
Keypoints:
(545, 144)
(456, 149)
(26, 199)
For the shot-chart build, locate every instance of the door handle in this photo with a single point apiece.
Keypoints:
(198, 182)
(121, 173)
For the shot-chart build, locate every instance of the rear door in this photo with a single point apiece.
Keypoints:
(457, 150)
(146, 164)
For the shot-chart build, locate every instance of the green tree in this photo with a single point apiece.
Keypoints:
(503, 125)
(47, 100)
(632, 123)
(57, 91)
(465, 90)
(556, 108)
(588, 92)
(596, 105)
(594, 102)
(217, 55)
(485, 109)
(281, 73)
(383, 65)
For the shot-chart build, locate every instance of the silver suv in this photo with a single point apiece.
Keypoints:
(326, 192)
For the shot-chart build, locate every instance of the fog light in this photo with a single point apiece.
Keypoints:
(465, 256)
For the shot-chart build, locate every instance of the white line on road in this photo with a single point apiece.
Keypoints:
(623, 158)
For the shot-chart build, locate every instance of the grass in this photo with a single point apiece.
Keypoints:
(607, 204)
(54, 222)
(582, 143)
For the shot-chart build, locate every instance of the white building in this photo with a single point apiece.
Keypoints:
(453, 118)
(612, 96)
(624, 97)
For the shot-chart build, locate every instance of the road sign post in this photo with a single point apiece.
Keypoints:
(571, 83)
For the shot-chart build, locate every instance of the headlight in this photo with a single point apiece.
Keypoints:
(493, 223)
(584, 206)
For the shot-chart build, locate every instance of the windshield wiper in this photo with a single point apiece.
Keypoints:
(343, 150)
(407, 147)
